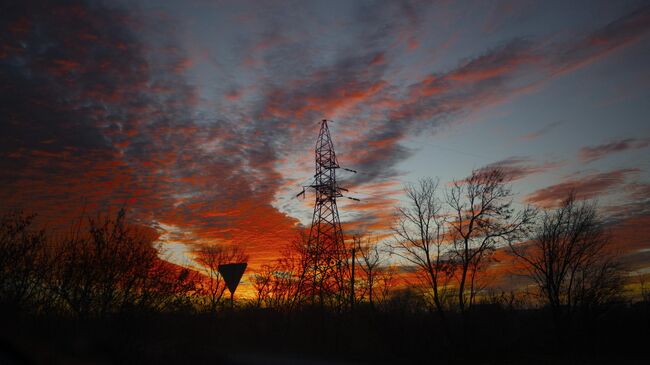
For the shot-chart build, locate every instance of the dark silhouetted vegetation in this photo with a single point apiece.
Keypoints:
(102, 291)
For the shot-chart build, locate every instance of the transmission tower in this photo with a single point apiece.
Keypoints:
(326, 253)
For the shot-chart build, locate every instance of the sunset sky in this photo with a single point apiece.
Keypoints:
(201, 116)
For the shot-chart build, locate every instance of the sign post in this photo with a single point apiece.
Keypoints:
(232, 274)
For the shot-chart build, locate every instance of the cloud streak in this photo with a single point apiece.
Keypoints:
(593, 153)
(541, 132)
(585, 187)
(517, 168)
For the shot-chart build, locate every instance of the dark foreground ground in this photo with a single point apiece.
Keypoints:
(254, 336)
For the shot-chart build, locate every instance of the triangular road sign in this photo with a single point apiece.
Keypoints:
(232, 274)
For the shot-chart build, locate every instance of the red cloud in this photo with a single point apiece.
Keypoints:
(540, 132)
(339, 97)
(514, 68)
(592, 153)
(493, 65)
(517, 168)
(585, 188)
(631, 234)
(120, 130)
(182, 65)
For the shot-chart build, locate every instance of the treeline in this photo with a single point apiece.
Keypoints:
(447, 240)
(103, 265)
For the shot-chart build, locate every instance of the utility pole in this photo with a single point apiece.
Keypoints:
(354, 261)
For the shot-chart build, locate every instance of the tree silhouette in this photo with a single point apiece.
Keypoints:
(571, 260)
(213, 286)
(369, 259)
(106, 265)
(24, 261)
(419, 230)
(482, 219)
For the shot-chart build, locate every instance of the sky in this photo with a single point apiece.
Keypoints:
(201, 116)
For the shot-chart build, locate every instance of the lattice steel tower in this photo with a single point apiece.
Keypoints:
(324, 274)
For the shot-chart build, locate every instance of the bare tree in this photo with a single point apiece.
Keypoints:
(369, 258)
(510, 300)
(419, 231)
(482, 220)
(281, 283)
(644, 287)
(571, 259)
(167, 288)
(213, 286)
(385, 284)
(263, 284)
(299, 255)
(275, 284)
(478, 282)
(109, 265)
(24, 261)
